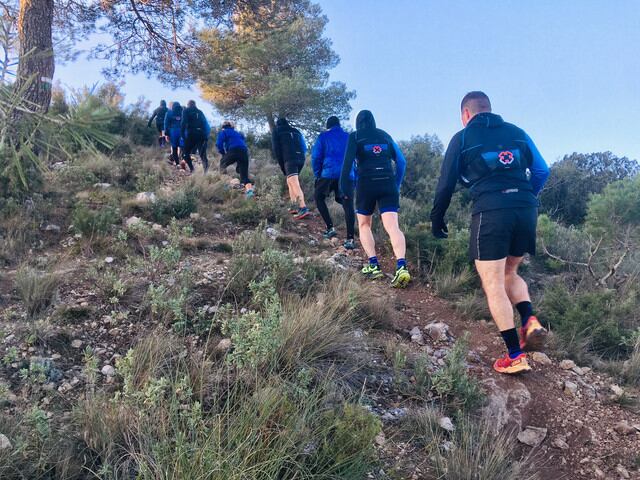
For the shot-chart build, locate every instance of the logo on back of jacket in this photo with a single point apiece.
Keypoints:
(506, 158)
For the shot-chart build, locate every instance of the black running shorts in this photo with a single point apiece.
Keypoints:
(384, 194)
(497, 234)
(291, 168)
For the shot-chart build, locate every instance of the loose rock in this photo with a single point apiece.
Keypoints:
(144, 198)
(570, 388)
(76, 343)
(623, 428)
(532, 436)
(567, 364)
(223, 345)
(437, 331)
(541, 358)
(416, 336)
(108, 371)
(5, 444)
(131, 221)
(560, 443)
(446, 424)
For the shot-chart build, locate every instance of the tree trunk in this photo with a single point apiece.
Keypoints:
(36, 63)
(272, 122)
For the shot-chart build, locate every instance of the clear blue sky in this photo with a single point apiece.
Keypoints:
(566, 71)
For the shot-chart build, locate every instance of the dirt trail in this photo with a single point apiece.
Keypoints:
(586, 437)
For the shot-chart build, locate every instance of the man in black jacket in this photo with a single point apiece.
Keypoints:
(289, 149)
(504, 171)
(159, 114)
(195, 131)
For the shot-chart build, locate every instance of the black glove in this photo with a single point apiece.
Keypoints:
(439, 229)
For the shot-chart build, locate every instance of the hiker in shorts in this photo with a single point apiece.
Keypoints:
(172, 130)
(233, 149)
(504, 172)
(289, 149)
(377, 186)
(327, 156)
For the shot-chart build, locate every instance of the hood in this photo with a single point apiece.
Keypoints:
(332, 121)
(163, 103)
(487, 119)
(283, 122)
(176, 108)
(365, 120)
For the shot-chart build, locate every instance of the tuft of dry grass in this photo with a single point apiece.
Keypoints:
(37, 290)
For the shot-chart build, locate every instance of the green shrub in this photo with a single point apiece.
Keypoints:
(453, 382)
(36, 290)
(179, 204)
(93, 223)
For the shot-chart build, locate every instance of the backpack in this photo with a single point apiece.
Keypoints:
(290, 143)
(195, 121)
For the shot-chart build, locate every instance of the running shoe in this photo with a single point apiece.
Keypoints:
(512, 366)
(249, 194)
(349, 244)
(302, 213)
(533, 336)
(401, 279)
(372, 271)
(330, 233)
(293, 208)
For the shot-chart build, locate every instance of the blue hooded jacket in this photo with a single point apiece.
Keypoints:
(229, 138)
(173, 118)
(327, 153)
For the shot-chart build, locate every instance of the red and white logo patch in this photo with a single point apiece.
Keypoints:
(505, 158)
(377, 149)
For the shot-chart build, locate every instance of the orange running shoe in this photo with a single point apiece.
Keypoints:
(533, 337)
(512, 366)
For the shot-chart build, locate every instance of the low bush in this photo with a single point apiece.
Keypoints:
(179, 204)
(36, 290)
(94, 223)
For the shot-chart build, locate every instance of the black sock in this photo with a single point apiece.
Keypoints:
(510, 338)
(525, 309)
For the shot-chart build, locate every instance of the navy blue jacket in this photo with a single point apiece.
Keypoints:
(229, 138)
(327, 153)
(372, 150)
(497, 161)
(173, 118)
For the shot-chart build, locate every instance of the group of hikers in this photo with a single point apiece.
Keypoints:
(497, 161)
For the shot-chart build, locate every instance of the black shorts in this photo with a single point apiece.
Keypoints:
(291, 168)
(384, 194)
(239, 156)
(506, 232)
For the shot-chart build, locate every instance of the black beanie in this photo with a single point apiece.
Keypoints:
(333, 121)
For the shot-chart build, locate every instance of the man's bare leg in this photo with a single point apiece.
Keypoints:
(398, 243)
(295, 191)
(366, 235)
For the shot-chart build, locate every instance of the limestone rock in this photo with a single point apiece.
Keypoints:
(131, 221)
(102, 186)
(223, 345)
(446, 424)
(623, 428)
(144, 198)
(567, 364)
(541, 358)
(5, 444)
(77, 343)
(560, 443)
(416, 336)
(570, 388)
(437, 330)
(108, 371)
(506, 400)
(532, 436)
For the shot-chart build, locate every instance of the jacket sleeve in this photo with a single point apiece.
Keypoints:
(317, 157)
(539, 168)
(449, 174)
(166, 122)
(220, 142)
(275, 147)
(153, 115)
(346, 179)
(401, 163)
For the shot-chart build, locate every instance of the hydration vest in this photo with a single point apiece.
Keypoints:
(374, 155)
(291, 145)
(194, 120)
(493, 159)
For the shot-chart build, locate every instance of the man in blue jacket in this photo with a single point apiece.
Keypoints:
(195, 131)
(233, 148)
(377, 184)
(505, 172)
(327, 156)
(172, 130)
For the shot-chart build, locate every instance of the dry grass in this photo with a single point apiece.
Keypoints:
(36, 290)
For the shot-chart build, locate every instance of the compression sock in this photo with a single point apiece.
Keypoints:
(401, 263)
(512, 342)
(373, 260)
(525, 309)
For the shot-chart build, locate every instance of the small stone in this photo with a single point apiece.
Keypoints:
(617, 390)
(570, 388)
(131, 221)
(567, 364)
(623, 472)
(560, 443)
(223, 345)
(437, 330)
(532, 436)
(194, 216)
(446, 424)
(541, 358)
(380, 439)
(416, 336)
(102, 186)
(108, 260)
(145, 197)
(52, 228)
(598, 473)
(156, 227)
(578, 371)
(108, 371)
(76, 343)
(5, 444)
(623, 428)
(271, 233)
